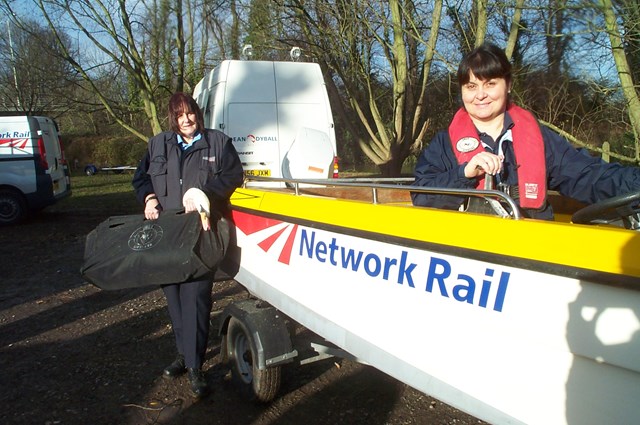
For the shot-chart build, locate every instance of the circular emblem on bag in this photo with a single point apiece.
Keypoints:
(467, 144)
(145, 237)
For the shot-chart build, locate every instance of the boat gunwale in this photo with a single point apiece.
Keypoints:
(563, 270)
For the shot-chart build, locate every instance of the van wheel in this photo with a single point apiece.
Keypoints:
(258, 385)
(13, 208)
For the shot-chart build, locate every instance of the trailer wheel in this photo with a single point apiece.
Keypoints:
(90, 170)
(13, 208)
(260, 385)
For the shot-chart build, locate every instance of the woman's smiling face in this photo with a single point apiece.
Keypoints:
(187, 124)
(485, 100)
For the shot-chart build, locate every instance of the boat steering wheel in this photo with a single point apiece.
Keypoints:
(623, 211)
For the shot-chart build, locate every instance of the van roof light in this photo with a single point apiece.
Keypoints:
(295, 53)
(247, 51)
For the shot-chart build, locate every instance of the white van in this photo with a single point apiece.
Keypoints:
(33, 172)
(277, 114)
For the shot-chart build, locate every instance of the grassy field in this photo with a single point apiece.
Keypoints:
(106, 193)
(113, 194)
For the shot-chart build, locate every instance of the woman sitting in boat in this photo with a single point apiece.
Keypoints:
(490, 135)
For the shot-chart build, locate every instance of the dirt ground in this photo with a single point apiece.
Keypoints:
(73, 354)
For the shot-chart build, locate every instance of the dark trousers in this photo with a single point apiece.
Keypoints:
(190, 309)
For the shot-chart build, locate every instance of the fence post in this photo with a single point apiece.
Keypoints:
(606, 148)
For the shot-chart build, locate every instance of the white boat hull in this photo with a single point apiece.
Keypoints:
(505, 344)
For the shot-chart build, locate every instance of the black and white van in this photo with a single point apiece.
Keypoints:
(33, 171)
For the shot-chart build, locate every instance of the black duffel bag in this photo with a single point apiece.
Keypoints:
(131, 252)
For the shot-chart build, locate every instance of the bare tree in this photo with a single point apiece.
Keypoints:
(589, 111)
(514, 29)
(481, 7)
(141, 52)
(380, 62)
(117, 44)
(35, 77)
(388, 65)
(626, 12)
(222, 19)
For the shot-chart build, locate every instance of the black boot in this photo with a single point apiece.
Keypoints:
(198, 382)
(176, 368)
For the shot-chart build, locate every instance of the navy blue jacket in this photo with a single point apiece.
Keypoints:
(211, 164)
(571, 172)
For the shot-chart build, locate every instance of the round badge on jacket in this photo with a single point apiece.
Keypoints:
(467, 144)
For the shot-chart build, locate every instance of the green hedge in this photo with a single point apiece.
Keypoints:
(103, 151)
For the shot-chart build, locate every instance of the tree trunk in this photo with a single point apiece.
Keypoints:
(514, 30)
(624, 71)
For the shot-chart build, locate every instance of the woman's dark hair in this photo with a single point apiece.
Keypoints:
(486, 62)
(178, 105)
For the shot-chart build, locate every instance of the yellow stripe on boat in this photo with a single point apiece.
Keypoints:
(603, 249)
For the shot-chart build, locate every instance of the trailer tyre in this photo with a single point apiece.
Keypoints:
(90, 170)
(13, 208)
(260, 385)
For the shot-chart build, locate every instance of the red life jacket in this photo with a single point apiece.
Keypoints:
(527, 145)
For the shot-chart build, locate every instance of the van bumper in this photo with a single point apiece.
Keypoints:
(44, 195)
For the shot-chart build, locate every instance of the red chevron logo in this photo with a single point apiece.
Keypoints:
(14, 143)
(250, 224)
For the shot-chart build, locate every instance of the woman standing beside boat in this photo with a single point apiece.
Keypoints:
(188, 157)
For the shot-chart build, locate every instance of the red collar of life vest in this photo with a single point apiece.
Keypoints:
(527, 145)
